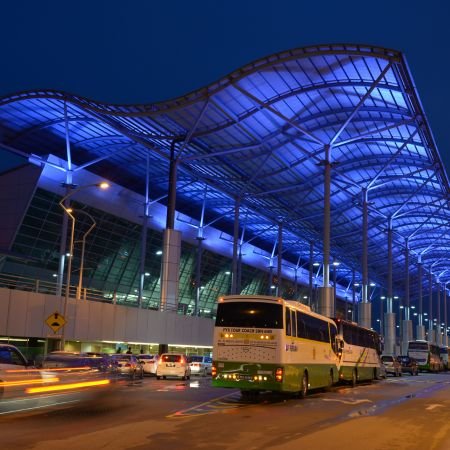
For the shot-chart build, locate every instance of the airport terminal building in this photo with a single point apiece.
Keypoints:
(311, 174)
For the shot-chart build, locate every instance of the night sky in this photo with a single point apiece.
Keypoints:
(143, 51)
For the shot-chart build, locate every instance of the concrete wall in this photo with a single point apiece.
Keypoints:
(23, 314)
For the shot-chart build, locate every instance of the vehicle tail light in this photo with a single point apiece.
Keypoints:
(214, 371)
(182, 360)
(279, 374)
(127, 365)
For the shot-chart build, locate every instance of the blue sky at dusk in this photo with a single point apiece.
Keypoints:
(143, 51)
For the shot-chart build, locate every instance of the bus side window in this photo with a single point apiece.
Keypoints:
(288, 322)
(294, 323)
(301, 326)
(333, 333)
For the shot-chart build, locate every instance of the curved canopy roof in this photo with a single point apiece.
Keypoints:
(259, 135)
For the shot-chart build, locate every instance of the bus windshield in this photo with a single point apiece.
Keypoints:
(249, 314)
(418, 346)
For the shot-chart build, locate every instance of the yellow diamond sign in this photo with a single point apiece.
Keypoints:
(55, 321)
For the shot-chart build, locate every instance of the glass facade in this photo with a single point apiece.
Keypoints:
(112, 259)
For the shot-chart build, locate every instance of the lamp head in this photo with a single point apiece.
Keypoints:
(103, 185)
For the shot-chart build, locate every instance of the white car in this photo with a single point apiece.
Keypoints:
(173, 365)
(149, 363)
(200, 365)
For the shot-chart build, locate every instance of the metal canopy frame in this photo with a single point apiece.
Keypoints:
(258, 136)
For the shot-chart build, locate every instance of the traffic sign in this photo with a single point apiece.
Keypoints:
(55, 321)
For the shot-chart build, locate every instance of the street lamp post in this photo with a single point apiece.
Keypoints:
(83, 245)
(68, 211)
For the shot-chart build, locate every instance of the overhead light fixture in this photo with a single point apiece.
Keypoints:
(159, 252)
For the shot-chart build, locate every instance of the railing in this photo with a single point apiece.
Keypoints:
(20, 283)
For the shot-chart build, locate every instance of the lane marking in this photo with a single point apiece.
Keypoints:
(37, 407)
(211, 406)
(348, 402)
(433, 406)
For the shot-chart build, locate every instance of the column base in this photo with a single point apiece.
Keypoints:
(407, 334)
(420, 332)
(389, 334)
(326, 302)
(365, 315)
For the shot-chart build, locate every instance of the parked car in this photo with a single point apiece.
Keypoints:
(173, 365)
(129, 365)
(391, 365)
(382, 370)
(408, 365)
(149, 363)
(200, 365)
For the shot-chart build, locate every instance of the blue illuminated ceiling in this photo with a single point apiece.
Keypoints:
(258, 135)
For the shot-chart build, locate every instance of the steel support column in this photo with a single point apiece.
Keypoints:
(407, 323)
(311, 269)
(144, 235)
(445, 341)
(438, 315)
(234, 262)
(353, 297)
(364, 313)
(389, 322)
(171, 244)
(279, 258)
(198, 270)
(326, 301)
(431, 337)
(420, 330)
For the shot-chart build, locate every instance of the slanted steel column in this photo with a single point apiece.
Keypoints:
(407, 323)
(389, 322)
(234, 262)
(311, 269)
(420, 330)
(144, 235)
(171, 244)
(279, 258)
(431, 337)
(326, 302)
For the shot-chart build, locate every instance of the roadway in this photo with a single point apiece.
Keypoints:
(397, 413)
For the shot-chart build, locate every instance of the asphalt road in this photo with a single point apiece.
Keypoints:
(397, 413)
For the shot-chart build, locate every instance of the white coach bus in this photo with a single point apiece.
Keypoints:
(263, 343)
(359, 353)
